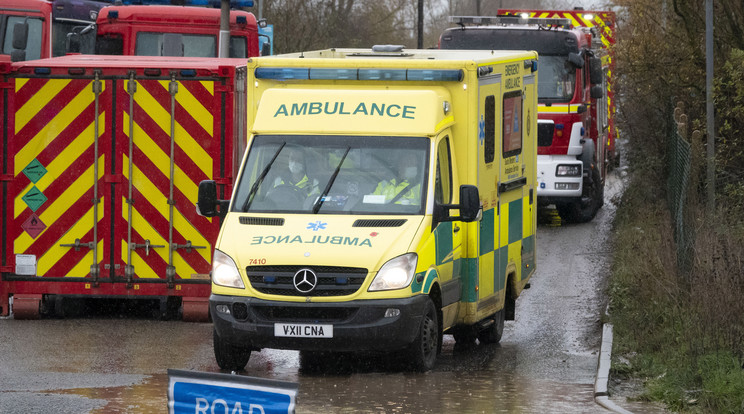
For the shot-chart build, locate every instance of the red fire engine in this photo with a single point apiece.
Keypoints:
(173, 31)
(35, 29)
(576, 132)
(104, 155)
(103, 159)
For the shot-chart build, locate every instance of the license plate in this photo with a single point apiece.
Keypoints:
(302, 330)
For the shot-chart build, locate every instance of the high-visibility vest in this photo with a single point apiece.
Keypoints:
(305, 184)
(391, 188)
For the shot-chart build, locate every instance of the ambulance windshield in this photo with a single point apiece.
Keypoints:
(316, 174)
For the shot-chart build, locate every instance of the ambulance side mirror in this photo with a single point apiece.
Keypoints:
(470, 208)
(207, 202)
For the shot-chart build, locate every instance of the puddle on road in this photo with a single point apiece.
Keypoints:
(371, 392)
(149, 396)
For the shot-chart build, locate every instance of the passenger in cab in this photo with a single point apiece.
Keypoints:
(405, 188)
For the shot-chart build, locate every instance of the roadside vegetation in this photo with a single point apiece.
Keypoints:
(679, 313)
(321, 24)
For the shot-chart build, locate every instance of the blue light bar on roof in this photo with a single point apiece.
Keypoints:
(446, 75)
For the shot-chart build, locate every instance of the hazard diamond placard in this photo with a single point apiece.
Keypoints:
(33, 225)
(34, 171)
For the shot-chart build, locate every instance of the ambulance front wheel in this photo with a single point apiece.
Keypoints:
(424, 349)
(229, 357)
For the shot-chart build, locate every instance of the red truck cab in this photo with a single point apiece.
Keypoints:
(575, 130)
(35, 29)
(173, 31)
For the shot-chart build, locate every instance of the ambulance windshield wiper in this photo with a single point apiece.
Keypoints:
(260, 178)
(319, 201)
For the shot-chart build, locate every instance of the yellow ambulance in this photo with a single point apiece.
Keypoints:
(386, 197)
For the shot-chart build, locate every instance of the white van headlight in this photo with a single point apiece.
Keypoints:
(224, 271)
(397, 273)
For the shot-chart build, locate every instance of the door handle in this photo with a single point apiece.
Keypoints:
(456, 229)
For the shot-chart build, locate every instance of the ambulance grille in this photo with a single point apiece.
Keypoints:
(332, 280)
(262, 221)
(297, 313)
(545, 134)
(378, 223)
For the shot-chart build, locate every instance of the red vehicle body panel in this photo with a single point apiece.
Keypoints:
(104, 158)
(131, 20)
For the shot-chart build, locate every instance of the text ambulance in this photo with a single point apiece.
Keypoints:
(386, 197)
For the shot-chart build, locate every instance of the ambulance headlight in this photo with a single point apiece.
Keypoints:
(224, 271)
(397, 273)
(568, 170)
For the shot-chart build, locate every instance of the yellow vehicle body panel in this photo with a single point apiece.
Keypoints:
(476, 112)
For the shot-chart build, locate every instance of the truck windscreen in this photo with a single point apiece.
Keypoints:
(189, 45)
(62, 29)
(556, 78)
(334, 175)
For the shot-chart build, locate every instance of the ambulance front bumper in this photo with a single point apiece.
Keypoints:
(361, 325)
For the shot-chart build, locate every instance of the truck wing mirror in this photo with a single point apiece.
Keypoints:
(266, 49)
(74, 38)
(576, 60)
(470, 208)
(596, 92)
(20, 36)
(595, 71)
(207, 202)
(73, 42)
(17, 55)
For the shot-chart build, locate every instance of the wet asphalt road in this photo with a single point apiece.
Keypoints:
(546, 362)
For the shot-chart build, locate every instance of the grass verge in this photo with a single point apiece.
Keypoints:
(681, 334)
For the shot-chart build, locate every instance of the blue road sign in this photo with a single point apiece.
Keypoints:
(200, 392)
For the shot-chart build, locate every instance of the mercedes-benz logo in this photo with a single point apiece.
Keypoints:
(305, 280)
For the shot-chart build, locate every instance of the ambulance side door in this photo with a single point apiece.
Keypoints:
(516, 185)
(448, 234)
(490, 281)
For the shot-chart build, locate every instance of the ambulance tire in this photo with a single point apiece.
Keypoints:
(313, 361)
(492, 334)
(422, 353)
(229, 357)
(465, 335)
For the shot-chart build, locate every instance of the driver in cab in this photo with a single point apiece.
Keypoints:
(297, 177)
